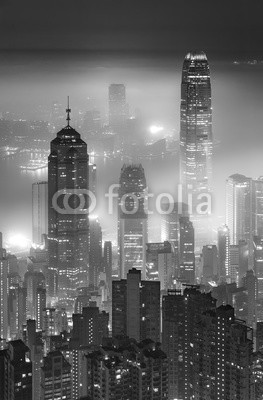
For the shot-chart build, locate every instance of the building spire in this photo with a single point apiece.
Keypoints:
(68, 111)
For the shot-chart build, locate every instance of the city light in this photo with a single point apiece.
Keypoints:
(154, 129)
(18, 241)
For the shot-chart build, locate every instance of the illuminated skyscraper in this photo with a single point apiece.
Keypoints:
(39, 211)
(187, 250)
(3, 291)
(196, 123)
(239, 209)
(223, 243)
(95, 250)
(68, 232)
(258, 263)
(132, 219)
(196, 141)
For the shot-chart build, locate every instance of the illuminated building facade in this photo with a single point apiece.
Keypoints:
(223, 243)
(124, 369)
(95, 250)
(239, 209)
(68, 232)
(187, 250)
(222, 357)
(258, 263)
(196, 141)
(55, 377)
(180, 313)
(160, 263)
(132, 219)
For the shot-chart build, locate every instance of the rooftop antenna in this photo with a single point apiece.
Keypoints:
(68, 111)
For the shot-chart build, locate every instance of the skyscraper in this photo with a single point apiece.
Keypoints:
(39, 211)
(239, 209)
(187, 250)
(258, 263)
(3, 291)
(118, 108)
(56, 377)
(132, 219)
(68, 232)
(196, 141)
(223, 243)
(95, 250)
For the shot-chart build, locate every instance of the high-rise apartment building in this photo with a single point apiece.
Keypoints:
(180, 313)
(210, 261)
(132, 219)
(3, 291)
(124, 369)
(68, 229)
(223, 348)
(39, 211)
(55, 377)
(136, 307)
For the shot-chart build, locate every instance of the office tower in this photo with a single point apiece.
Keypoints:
(180, 313)
(243, 258)
(187, 250)
(196, 123)
(39, 211)
(132, 219)
(33, 281)
(223, 348)
(250, 282)
(92, 170)
(91, 122)
(125, 369)
(17, 301)
(234, 263)
(118, 108)
(223, 243)
(57, 116)
(196, 141)
(170, 227)
(40, 306)
(3, 291)
(160, 263)
(107, 261)
(95, 250)
(55, 377)
(257, 206)
(68, 233)
(22, 369)
(239, 209)
(258, 263)
(136, 307)
(90, 327)
(210, 261)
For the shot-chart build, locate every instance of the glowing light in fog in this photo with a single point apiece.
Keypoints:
(18, 241)
(155, 129)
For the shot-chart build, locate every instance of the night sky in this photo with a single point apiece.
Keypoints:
(222, 28)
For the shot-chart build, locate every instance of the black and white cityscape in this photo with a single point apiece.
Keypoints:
(131, 201)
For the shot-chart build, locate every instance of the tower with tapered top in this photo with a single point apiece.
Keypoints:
(68, 228)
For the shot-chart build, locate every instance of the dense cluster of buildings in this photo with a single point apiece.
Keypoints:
(180, 319)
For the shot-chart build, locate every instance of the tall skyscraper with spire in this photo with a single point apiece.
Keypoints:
(68, 229)
(196, 141)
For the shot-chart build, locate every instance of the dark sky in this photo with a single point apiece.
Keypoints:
(226, 27)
